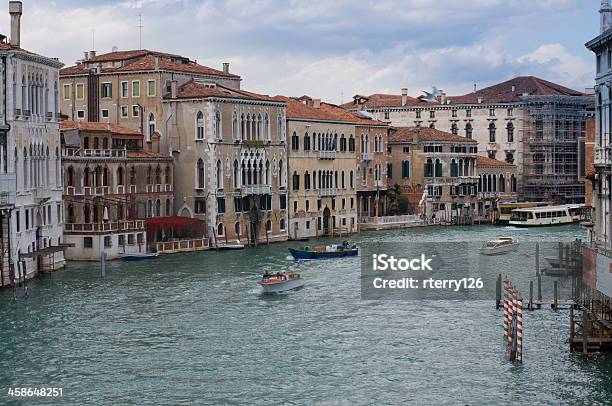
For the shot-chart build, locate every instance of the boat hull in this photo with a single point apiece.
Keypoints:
(278, 287)
(229, 247)
(301, 254)
(138, 257)
(499, 250)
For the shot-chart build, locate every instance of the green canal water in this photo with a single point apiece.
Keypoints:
(194, 329)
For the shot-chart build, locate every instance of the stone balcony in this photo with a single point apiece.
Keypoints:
(326, 192)
(327, 154)
(256, 190)
(602, 156)
(120, 226)
(367, 156)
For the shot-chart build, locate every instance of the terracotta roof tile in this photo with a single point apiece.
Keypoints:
(498, 93)
(98, 127)
(144, 60)
(301, 110)
(195, 90)
(407, 134)
(486, 161)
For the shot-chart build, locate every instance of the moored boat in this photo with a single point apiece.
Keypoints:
(230, 246)
(280, 282)
(500, 245)
(138, 256)
(325, 251)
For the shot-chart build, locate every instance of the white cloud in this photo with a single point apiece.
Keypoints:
(555, 58)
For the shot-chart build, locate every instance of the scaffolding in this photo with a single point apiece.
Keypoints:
(552, 127)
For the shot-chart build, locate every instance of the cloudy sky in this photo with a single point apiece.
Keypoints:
(333, 49)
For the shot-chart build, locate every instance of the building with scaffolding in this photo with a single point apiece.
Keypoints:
(110, 186)
(30, 181)
(527, 121)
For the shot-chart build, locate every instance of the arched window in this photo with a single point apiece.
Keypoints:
(234, 126)
(200, 174)
(267, 128)
(295, 181)
(168, 208)
(70, 176)
(492, 130)
(307, 180)
(158, 208)
(351, 179)
(242, 127)
(220, 230)
(120, 176)
(200, 126)
(468, 130)
(267, 179)
(512, 183)
(510, 129)
(219, 175)
(151, 127)
(295, 142)
(429, 168)
(502, 183)
(306, 142)
(454, 168)
(259, 134)
(281, 177)
(281, 134)
(26, 184)
(438, 168)
(269, 225)
(454, 129)
(282, 225)
(236, 174)
(217, 128)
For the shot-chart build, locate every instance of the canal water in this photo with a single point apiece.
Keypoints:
(195, 329)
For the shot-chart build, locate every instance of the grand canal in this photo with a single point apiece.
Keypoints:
(194, 329)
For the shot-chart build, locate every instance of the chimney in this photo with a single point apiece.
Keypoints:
(480, 100)
(225, 67)
(513, 88)
(474, 87)
(442, 97)
(404, 96)
(605, 16)
(157, 63)
(15, 10)
(92, 54)
(316, 103)
(173, 89)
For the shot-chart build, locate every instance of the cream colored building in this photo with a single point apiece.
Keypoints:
(230, 160)
(527, 121)
(321, 145)
(127, 88)
(31, 221)
(497, 182)
(110, 187)
(436, 171)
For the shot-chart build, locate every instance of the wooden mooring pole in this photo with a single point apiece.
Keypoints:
(498, 289)
(537, 258)
(572, 328)
(530, 306)
(555, 304)
(540, 288)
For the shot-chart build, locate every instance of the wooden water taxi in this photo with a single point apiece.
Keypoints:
(280, 282)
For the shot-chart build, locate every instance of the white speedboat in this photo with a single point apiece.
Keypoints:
(501, 245)
(231, 246)
(280, 282)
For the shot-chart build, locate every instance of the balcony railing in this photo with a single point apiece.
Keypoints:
(602, 156)
(120, 189)
(328, 192)
(405, 219)
(101, 190)
(135, 225)
(367, 156)
(256, 190)
(327, 154)
(171, 247)
(94, 153)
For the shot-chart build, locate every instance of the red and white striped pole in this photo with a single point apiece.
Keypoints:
(519, 329)
(506, 308)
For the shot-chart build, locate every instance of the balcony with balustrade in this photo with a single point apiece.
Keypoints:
(367, 156)
(602, 157)
(328, 192)
(247, 190)
(327, 154)
(102, 228)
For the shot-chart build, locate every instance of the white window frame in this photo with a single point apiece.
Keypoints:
(80, 111)
(111, 91)
(76, 93)
(154, 88)
(134, 87)
(102, 113)
(135, 108)
(66, 86)
(127, 89)
(127, 111)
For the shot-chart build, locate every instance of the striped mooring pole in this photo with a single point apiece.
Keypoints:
(506, 308)
(519, 330)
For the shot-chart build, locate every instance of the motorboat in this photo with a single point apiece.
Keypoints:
(138, 256)
(500, 245)
(280, 282)
(230, 246)
(325, 251)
